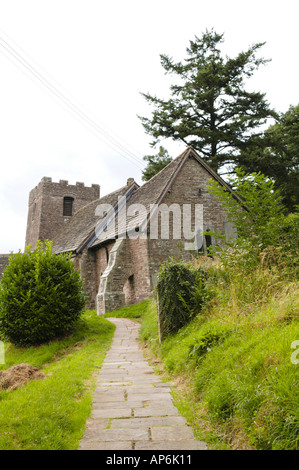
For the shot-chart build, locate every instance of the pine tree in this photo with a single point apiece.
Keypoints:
(210, 108)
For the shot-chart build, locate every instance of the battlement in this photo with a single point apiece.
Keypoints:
(63, 189)
(47, 179)
(51, 205)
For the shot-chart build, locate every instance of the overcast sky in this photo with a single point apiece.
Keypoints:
(97, 56)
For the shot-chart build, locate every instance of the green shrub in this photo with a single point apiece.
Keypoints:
(181, 293)
(211, 337)
(284, 251)
(266, 236)
(41, 296)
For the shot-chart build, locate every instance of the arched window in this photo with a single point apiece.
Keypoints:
(68, 203)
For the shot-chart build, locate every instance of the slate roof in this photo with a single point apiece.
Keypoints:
(86, 229)
(80, 228)
(147, 194)
(150, 193)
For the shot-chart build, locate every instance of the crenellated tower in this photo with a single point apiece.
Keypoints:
(52, 204)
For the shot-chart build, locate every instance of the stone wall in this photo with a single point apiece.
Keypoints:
(102, 258)
(3, 263)
(131, 277)
(126, 277)
(140, 270)
(86, 262)
(125, 271)
(188, 188)
(45, 207)
(110, 294)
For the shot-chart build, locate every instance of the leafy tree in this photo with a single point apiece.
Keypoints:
(265, 233)
(41, 296)
(211, 109)
(259, 204)
(278, 157)
(155, 163)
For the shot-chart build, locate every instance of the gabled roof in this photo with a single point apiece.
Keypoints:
(80, 229)
(145, 195)
(152, 193)
(86, 229)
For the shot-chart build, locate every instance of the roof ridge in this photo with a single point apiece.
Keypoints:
(153, 178)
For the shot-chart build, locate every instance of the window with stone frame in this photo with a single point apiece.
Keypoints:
(68, 206)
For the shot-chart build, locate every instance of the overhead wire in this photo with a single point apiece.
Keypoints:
(67, 102)
(73, 98)
(72, 108)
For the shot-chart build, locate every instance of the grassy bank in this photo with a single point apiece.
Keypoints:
(237, 375)
(237, 382)
(50, 413)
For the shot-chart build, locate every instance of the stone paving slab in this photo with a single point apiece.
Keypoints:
(148, 396)
(186, 444)
(95, 445)
(110, 435)
(115, 404)
(156, 411)
(111, 413)
(171, 433)
(132, 407)
(148, 422)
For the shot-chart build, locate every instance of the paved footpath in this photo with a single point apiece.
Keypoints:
(132, 407)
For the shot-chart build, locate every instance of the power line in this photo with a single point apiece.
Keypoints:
(73, 98)
(74, 110)
(65, 100)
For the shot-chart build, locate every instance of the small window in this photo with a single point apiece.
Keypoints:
(107, 254)
(68, 203)
(203, 243)
(208, 239)
(208, 243)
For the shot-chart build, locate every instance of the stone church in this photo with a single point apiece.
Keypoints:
(120, 240)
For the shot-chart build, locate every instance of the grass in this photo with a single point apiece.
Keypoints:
(236, 383)
(50, 414)
(239, 356)
(135, 311)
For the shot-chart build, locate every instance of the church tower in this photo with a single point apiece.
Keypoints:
(52, 204)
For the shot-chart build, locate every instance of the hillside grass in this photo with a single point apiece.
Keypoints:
(50, 414)
(236, 383)
(242, 372)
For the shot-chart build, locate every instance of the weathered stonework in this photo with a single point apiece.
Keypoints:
(45, 207)
(120, 268)
(87, 266)
(3, 262)
(126, 277)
